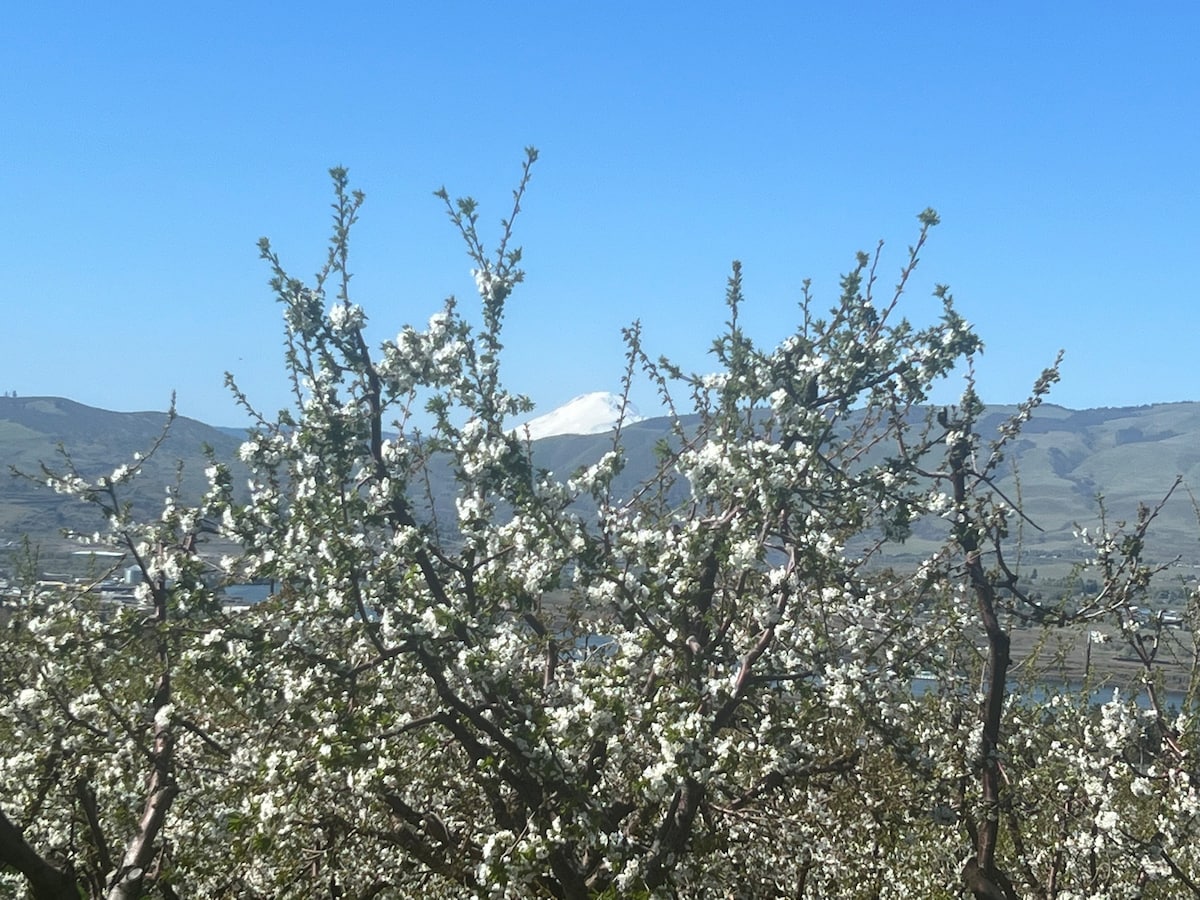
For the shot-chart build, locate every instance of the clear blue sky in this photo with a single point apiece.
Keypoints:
(146, 147)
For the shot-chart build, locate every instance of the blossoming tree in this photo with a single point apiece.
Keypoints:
(700, 687)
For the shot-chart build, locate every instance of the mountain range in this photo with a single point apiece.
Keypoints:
(1065, 459)
(594, 413)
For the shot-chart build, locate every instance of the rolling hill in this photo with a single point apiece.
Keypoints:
(39, 430)
(1065, 460)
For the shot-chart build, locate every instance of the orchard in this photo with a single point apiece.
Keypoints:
(703, 687)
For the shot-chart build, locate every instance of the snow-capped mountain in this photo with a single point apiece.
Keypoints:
(593, 413)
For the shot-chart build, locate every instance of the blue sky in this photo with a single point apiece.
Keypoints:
(146, 147)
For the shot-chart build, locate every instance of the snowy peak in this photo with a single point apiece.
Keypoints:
(593, 413)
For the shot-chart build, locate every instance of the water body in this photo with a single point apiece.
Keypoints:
(1170, 700)
(591, 646)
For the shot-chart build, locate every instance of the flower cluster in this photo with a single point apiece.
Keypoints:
(571, 685)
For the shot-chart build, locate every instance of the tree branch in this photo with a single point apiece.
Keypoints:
(46, 882)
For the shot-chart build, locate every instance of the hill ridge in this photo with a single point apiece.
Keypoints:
(1066, 460)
